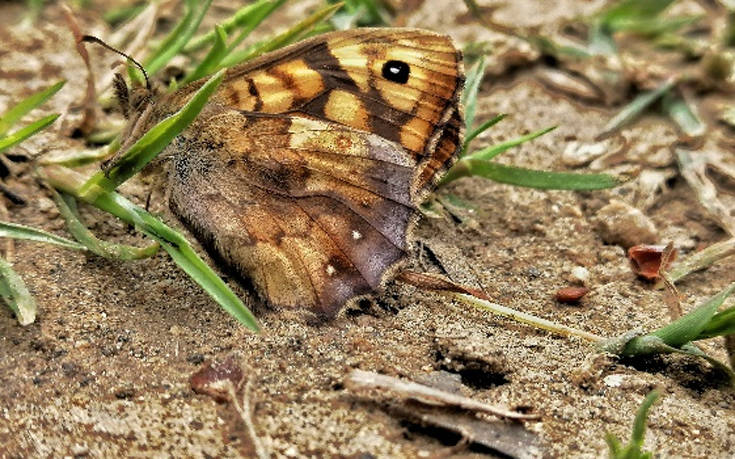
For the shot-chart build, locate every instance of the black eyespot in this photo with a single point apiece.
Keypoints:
(396, 71)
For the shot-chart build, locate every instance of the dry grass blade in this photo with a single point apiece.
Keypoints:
(671, 296)
(635, 108)
(480, 300)
(365, 380)
(694, 170)
(702, 259)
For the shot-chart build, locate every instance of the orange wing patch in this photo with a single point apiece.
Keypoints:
(347, 108)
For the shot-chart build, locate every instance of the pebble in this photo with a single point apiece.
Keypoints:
(622, 224)
(571, 295)
(79, 450)
(578, 154)
(46, 205)
(613, 380)
(580, 274)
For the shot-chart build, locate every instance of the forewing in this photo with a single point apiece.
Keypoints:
(341, 77)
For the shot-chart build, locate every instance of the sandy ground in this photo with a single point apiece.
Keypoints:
(105, 369)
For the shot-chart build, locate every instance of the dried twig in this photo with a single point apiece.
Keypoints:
(359, 379)
(91, 109)
(246, 414)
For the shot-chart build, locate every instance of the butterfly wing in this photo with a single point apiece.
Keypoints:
(306, 168)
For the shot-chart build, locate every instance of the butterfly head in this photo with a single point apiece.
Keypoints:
(132, 101)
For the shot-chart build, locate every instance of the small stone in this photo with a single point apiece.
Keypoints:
(79, 450)
(613, 380)
(622, 224)
(578, 154)
(571, 295)
(571, 211)
(569, 83)
(46, 206)
(580, 274)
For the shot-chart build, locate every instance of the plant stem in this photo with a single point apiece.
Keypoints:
(525, 318)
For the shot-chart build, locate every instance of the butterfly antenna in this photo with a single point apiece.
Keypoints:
(93, 39)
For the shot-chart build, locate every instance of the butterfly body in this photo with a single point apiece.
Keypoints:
(305, 169)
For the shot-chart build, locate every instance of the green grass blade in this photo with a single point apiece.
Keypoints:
(34, 11)
(68, 209)
(178, 38)
(634, 109)
(689, 327)
(246, 18)
(601, 41)
(492, 151)
(254, 20)
(9, 118)
(614, 444)
(659, 26)
(691, 349)
(680, 333)
(26, 132)
(74, 158)
(170, 40)
(530, 178)
(154, 141)
(360, 13)
(721, 324)
(212, 59)
(469, 96)
(633, 450)
(16, 294)
(183, 255)
(684, 115)
(291, 35)
(26, 233)
(480, 129)
(639, 425)
(550, 47)
(119, 15)
(174, 243)
(618, 16)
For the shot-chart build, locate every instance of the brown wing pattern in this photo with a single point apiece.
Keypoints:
(313, 212)
(305, 170)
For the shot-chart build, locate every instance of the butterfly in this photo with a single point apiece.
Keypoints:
(305, 170)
